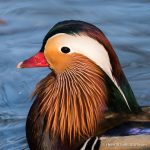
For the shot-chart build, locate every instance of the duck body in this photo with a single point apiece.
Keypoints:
(86, 83)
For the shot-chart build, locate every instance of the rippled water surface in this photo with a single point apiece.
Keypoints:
(23, 25)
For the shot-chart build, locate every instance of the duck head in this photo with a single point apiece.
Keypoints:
(68, 40)
(86, 80)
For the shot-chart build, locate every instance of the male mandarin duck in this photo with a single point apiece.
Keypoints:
(85, 94)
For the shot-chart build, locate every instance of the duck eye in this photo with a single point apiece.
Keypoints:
(65, 49)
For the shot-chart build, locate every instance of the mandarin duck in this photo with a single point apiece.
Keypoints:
(85, 94)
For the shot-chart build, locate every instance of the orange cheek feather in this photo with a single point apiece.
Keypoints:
(56, 59)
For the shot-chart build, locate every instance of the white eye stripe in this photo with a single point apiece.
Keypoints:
(92, 49)
(88, 47)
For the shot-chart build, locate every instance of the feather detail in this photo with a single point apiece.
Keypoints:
(74, 101)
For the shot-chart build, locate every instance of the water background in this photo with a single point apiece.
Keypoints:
(126, 23)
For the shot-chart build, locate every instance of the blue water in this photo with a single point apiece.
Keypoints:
(126, 23)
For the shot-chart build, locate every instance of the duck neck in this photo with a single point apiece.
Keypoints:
(73, 102)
